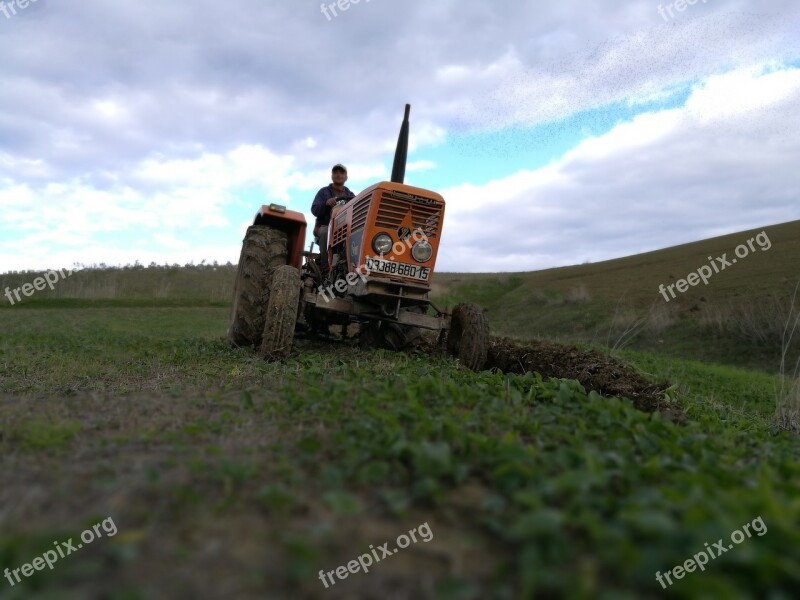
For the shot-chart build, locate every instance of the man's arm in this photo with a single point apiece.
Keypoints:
(318, 207)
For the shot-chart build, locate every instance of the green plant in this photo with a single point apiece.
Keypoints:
(788, 395)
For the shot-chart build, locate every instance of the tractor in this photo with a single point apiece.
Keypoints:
(381, 250)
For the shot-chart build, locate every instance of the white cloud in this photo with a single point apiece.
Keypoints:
(662, 179)
(420, 165)
(150, 120)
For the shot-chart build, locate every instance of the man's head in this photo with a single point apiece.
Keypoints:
(339, 174)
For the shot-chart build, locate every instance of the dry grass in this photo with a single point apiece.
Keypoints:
(760, 323)
(212, 283)
(628, 322)
(787, 413)
(579, 294)
(660, 317)
(788, 397)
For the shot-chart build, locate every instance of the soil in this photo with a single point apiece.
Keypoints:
(595, 370)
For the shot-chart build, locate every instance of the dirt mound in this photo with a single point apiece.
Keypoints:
(595, 371)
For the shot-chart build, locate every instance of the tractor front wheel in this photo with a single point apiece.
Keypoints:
(263, 250)
(468, 337)
(281, 313)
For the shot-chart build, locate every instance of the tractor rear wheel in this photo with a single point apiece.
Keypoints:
(281, 313)
(263, 250)
(468, 337)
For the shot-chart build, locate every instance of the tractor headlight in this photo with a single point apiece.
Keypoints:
(422, 251)
(382, 243)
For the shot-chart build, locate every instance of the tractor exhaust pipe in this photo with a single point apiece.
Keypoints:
(401, 152)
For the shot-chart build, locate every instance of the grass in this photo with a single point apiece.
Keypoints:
(40, 434)
(231, 477)
(162, 283)
(732, 320)
(716, 393)
(228, 476)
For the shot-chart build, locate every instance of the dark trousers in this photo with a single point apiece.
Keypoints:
(322, 241)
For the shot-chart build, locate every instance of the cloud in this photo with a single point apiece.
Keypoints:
(420, 165)
(170, 122)
(662, 179)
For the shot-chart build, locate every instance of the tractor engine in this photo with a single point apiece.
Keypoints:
(338, 262)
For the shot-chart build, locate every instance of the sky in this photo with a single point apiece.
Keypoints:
(558, 133)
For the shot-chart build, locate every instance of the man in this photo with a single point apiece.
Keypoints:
(323, 205)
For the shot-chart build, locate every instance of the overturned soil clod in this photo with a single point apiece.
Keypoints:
(594, 370)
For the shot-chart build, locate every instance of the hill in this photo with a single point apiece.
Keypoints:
(772, 267)
(738, 318)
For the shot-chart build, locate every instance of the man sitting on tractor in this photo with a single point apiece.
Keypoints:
(323, 204)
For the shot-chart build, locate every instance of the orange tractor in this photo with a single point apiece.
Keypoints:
(381, 247)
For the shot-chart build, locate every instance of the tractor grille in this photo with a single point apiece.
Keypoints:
(339, 235)
(360, 211)
(426, 213)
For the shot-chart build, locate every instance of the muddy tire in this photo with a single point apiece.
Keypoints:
(281, 313)
(468, 337)
(370, 335)
(263, 250)
(394, 337)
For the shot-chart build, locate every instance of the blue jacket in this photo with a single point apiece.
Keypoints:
(319, 208)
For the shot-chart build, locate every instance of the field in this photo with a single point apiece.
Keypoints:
(230, 477)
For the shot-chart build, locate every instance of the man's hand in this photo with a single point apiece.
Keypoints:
(331, 202)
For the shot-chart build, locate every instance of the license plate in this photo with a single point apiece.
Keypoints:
(391, 267)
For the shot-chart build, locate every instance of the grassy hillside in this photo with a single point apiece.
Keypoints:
(636, 278)
(230, 477)
(738, 318)
(155, 283)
